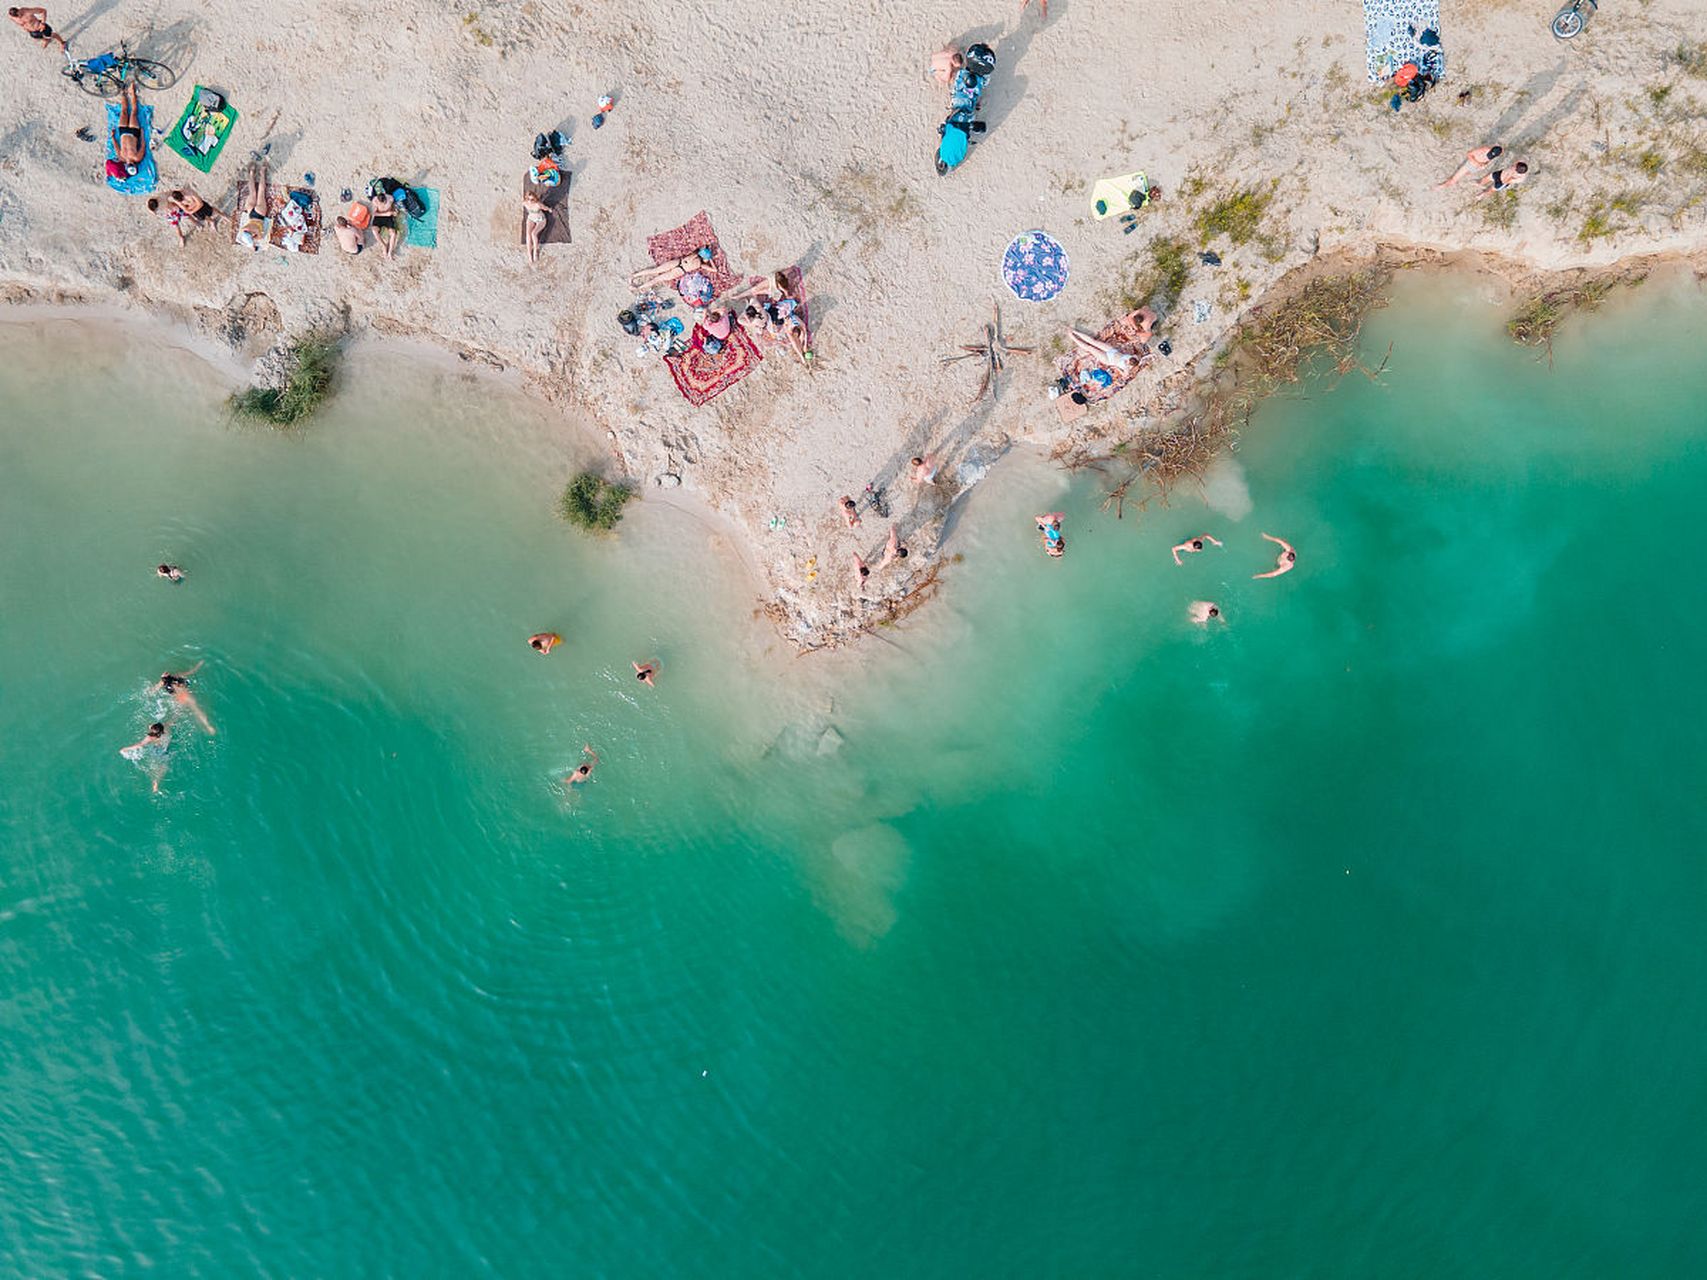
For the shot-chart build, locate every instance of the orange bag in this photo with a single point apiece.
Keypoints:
(359, 216)
(1405, 74)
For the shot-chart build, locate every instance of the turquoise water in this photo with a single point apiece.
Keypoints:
(1055, 936)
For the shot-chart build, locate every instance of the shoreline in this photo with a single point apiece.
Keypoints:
(1166, 409)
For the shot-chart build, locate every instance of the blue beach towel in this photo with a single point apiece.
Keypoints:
(1389, 43)
(147, 175)
(423, 232)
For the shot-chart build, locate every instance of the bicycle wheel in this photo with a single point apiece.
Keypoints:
(152, 75)
(1567, 23)
(103, 84)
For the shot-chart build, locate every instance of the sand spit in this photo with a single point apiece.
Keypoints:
(805, 129)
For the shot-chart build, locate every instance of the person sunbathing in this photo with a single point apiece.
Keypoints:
(538, 214)
(253, 234)
(193, 205)
(127, 138)
(384, 223)
(1479, 158)
(669, 272)
(1104, 353)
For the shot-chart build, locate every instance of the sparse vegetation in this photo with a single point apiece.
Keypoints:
(1596, 225)
(591, 502)
(1540, 315)
(1651, 162)
(313, 364)
(1691, 55)
(1500, 210)
(1658, 94)
(1275, 346)
(1160, 284)
(1237, 215)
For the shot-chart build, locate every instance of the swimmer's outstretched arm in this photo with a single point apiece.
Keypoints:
(1283, 543)
(185, 675)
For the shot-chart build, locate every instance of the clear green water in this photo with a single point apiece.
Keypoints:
(1361, 937)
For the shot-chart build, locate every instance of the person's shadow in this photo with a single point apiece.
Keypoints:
(75, 28)
(1005, 88)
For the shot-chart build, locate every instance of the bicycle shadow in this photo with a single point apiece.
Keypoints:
(172, 45)
(76, 27)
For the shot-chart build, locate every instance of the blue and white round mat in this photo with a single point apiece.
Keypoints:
(1035, 266)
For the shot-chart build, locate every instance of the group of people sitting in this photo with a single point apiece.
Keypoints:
(765, 307)
(1102, 364)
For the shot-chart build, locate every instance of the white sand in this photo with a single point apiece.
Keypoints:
(806, 128)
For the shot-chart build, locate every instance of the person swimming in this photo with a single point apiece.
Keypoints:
(1191, 545)
(152, 747)
(644, 671)
(1049, 525)
(170, 571)
(1284, 562)
(544, 641)
(178, 685)
(584, 770)
(1202, 612)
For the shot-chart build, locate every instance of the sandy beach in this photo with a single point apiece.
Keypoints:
(805, 131)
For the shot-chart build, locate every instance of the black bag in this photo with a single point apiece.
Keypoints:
(412, 203)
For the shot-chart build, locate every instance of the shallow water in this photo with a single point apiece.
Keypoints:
(1056, 936)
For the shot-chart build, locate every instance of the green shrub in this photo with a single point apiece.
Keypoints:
(1236, 216)
(314, 363)
(591, 502)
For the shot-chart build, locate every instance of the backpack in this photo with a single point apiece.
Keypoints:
(412, 203)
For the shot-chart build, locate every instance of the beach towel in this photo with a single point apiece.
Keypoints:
(701, 376)
(199, 136)
(692, 236)
(288, 232)
(1115, 194)
(1121, 333)
(1035, 266)
(423, 232)
(557, 226)
(1388, 39)
(147, 175)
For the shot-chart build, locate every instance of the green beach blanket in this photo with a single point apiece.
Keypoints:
(199, 136)
(423, 231)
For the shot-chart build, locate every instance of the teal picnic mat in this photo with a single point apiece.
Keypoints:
(423, 231)
(192, 152)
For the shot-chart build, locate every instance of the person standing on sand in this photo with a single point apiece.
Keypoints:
(892, 550)
(644, 671)
(862, 571)
(924, 469)
(34, 22)
(1502, 179)
(1192, 545)
(1042, 4)
(584, 770)
(850, 510)
(1284, 562)
(1480, 158)
(1202, 611)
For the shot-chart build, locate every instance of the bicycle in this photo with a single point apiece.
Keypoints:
(105, 74)
(1570, 20)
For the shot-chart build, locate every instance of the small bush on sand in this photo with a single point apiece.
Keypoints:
(591, 502)
(1501, 210)
(1236, 216)
(1691, 55)
(313, 364)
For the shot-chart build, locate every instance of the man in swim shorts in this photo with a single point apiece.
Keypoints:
(34, 22)
(584, 770)
(1193, 545)
(1284, 562)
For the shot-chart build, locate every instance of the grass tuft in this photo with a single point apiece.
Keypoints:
(1237, 215)
(1540, 315)
(314, 363)
(591, 502)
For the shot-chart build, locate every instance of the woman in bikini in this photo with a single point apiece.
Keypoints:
(538, 214)
(669, 272)
(127, 138)
(253, 234)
